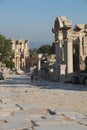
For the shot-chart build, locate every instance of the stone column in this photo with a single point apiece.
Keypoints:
(57, 60)
(68, 55)
(22, 46)
(18, 46)
(59, 68)
(39, 63)
(24, 63)
(26, 45)
(62, 72)
(58, 51)
(81, 47)
(13, 46)
(17, 63)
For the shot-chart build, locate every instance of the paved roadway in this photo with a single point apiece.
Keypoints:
(26, 105)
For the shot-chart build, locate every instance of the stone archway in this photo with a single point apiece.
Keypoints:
(63, 30)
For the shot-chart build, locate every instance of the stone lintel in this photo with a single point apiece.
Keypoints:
(21, 41)
(80, 26)
(68, 24)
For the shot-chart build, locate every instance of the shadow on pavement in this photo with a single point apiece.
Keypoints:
(24, 81)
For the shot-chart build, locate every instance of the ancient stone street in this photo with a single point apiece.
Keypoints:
(41, 105)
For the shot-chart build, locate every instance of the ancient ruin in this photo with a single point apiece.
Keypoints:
(20, 54)
(70, 47)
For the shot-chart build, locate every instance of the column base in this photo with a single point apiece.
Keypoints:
(62, 72)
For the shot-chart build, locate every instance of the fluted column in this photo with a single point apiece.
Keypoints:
(68, 55)
(58, 51)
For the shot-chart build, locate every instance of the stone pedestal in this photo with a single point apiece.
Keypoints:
(62, 72)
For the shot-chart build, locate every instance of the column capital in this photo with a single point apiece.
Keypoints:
(58, 41)
(40, 56)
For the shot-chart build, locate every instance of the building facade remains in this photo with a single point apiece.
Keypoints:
(70, 47)
(20, 54)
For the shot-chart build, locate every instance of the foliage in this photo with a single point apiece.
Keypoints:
(9, 64)
(5, 48)
(52, 49)
(32, 60)
(33, 51)
(5, 51)
(44, 49)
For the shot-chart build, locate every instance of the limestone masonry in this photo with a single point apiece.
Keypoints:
(70, 47)
(20, 54)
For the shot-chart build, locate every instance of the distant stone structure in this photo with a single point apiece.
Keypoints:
(20, 54)
(70, 47)
(45, 65)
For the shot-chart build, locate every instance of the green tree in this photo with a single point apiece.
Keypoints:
(2, 41)
(44, 49)
(9, 63)
(5, 48)
(52, 49)
(33, 51)
(6, 51)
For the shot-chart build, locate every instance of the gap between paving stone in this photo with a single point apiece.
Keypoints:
(8, 107)
(62, 127)
(16, 121)
(26, 106)
(63, 117)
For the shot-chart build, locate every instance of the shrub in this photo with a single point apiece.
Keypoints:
(9, 64)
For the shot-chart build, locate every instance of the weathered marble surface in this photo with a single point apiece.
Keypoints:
(36, 106)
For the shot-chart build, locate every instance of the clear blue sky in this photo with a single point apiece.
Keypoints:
(33, 19)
